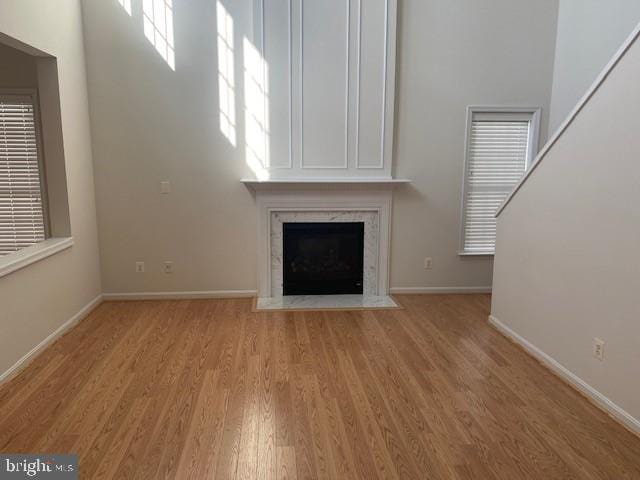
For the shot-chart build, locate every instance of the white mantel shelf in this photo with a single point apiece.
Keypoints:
(274, 183)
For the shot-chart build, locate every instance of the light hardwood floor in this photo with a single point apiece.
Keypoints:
(208, 389)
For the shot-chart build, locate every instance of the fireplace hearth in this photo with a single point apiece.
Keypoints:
(323, 258)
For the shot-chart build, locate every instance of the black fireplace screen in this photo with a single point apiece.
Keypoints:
(323, 258)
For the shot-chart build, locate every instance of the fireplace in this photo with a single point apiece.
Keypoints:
(336, 205)
(323, 258)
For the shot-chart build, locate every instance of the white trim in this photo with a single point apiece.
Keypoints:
(357, 86)
(591, 393)
(476, 254)
(301, 82)
(185, 295)
(385, 72)
(352, 182)
(296, 91)
(391, 28)
(25, 257)
(438, 290)
(574, 113)
(260, 13)
(345, 165)
(61, 330)
(290, 84)
(347, 87)
(388, 90)
(534, 135)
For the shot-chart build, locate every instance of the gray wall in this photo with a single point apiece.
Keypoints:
(152, 124)
(38, 299)
(566, 266)
(589, 33)
(19, 69)
(454, 54)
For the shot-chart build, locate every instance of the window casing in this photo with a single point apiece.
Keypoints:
(501, 145)
(23, 220)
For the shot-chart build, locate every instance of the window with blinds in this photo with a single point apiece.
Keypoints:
(21, 205)
(499, 149)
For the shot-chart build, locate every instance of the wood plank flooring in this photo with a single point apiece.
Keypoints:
(209, 389)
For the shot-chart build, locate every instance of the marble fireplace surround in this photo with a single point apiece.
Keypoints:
(370, 220)
(373, 207)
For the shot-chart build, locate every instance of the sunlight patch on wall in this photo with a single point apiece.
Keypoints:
(256, 105)
(126, 4)
(158, 28)
(226, 74)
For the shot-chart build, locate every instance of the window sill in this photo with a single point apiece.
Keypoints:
(476, 254)
(22, 258)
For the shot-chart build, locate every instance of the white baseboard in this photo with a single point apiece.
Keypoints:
(186, 295)
(594, 395)
(180, 295)
(61, 330)
(438, 290)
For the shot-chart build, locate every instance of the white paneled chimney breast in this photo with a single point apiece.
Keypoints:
(320, 77)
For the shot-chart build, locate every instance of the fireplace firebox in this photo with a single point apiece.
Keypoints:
(323, 258)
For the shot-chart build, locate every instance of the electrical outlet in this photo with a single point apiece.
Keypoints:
(598, 349)
(139, 267)
(168, 267)
(428, 263)
(165, 187)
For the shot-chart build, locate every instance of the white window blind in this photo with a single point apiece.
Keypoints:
(21, 209)
(499, 150)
